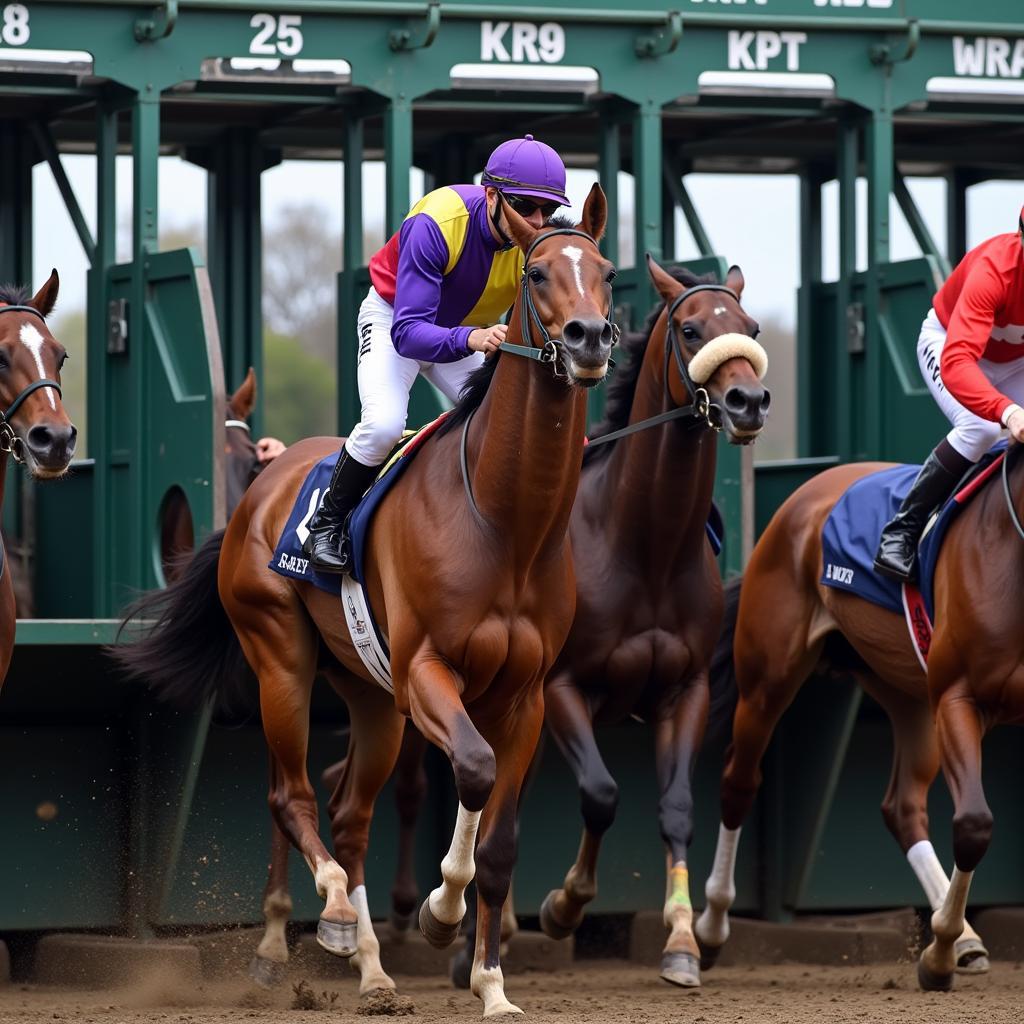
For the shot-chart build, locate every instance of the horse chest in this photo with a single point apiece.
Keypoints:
(510, 651)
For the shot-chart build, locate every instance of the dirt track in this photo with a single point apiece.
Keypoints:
(595, 991)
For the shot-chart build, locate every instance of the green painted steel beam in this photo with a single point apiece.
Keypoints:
(673, 174)
(66, 632)
(847, 163)
(44, 140)
(351, 276)
(917, 225)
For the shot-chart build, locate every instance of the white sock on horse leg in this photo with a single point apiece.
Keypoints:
(926, 866)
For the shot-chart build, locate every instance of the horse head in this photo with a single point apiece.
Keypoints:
(567, 294)
(241, 466)
(34, 427)
(710, 339)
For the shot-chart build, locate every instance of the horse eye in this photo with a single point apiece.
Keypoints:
(60, 362)
(536, 276)
(612, 274)
(5, 363)
(689, 333)
(756, 331)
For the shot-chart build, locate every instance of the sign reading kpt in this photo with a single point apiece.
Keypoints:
(753, 51)
(522, 42)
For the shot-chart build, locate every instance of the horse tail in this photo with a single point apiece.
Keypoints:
(722, 672)
(189, 653)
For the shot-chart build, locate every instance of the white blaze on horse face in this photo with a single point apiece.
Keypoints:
(719, 310)
(575, 254)
(33, 341)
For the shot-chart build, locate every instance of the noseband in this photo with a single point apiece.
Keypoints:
(10, 443)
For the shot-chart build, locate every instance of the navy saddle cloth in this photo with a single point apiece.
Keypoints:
(850, 535)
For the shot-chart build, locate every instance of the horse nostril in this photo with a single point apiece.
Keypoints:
(606, 333)
(574, 332)
(736, 400)
(40, 438)
(766, 400)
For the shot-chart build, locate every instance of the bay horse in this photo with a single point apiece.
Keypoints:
(470, 576)
(241, 467)
(34, 428)
(638, 643)
(648, 587)
(974, 680)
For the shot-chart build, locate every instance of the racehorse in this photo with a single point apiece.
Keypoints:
(974, 680)
(648, 587)
(471, 581)
(34, 428)
(638, 644)
(241, 467)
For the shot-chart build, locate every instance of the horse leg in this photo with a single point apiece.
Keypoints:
(268, 964)
(677, 740)
(905, 807)
(513, 742)
(437, 710)
(374, 741)
(568, 718)
(768, 681)
(960, 731)
(410, 789)
(280, 645)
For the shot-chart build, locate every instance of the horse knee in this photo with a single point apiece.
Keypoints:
(599, 799)
(474, 769)
(907, 821)
(972, 832)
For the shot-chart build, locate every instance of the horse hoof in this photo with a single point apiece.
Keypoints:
(401, 923)
(267, 973)
(549, 924)
(971, 957)
(931, 982)
(339, 939)
(682, 969)
(437, 933)
(461, 968)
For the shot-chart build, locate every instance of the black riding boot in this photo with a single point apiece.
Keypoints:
(349, 483)
(897, 547)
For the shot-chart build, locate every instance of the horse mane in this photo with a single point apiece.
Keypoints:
(14, 294)
(622, 387)
(477, 383)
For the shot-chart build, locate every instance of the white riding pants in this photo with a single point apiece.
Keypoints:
(971, 435)
(385, 380)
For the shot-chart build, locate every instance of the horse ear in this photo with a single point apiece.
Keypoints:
(46, 297)
(595, 213)
(519, 231)
(244, 399)
(734, 280)
(668, 287)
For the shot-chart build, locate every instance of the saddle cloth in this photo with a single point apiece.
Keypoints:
(289, 560)
(851, 533)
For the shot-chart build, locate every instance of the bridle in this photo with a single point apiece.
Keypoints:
(10, 443)
(701, 410)
(547, 353)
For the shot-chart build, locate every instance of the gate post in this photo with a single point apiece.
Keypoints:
(351, 263)
(878, 133)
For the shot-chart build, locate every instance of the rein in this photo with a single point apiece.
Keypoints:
(10, 443)
(547, 353)
(1014, 518)
(701, 406)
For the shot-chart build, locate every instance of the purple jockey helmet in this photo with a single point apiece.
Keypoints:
(526, 167)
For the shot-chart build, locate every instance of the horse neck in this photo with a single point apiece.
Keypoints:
(526, 450)
(656, 485)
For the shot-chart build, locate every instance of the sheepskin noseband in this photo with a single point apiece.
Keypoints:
(723, 348)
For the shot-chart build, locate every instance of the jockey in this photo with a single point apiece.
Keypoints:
(440, 285)
(971, 352)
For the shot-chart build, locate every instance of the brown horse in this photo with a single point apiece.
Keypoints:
(639, 551)
(471, 580)
(241, 467)
(974, 681)
(34, 428)
(648, 588)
